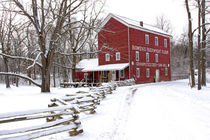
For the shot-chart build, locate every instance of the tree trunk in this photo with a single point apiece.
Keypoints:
(45, 86)
(190, 36)
(203, 51)
(6, 70)
(74, 66)
(54, 80)
(199, 44)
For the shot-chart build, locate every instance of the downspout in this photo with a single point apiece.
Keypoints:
(129, 55)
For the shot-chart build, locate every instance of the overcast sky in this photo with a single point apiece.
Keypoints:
(148, 10)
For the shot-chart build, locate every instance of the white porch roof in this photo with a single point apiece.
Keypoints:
(108, 67)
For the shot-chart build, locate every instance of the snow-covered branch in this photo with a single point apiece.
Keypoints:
(35, 61)
(20, 57)
(21, 76)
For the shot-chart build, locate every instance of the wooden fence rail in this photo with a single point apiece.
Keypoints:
(67, 122)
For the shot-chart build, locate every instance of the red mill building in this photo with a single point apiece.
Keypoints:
(128, 49)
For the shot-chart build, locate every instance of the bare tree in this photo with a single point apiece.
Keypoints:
(190, 38)
(199, 44)
(164, 24)
(6, 30)
(45, 15)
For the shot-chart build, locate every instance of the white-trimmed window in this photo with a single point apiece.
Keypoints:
(122, 74)
(165, 43)
(156, 57)
(117, 55)
(85, 76)
(166, 71)
(156, 41)
(137, 55)
(137, 72)
(147, 57)
(107, 57)
(147, 72)
(146, 39)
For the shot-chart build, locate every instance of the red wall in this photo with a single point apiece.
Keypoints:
(137, 38)
(115, 37)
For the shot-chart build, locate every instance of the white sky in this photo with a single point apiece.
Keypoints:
(148, 10)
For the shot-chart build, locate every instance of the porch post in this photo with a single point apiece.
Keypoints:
(119, 75)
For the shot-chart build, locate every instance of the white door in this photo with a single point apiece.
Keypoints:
(113, 75)
(157, 75)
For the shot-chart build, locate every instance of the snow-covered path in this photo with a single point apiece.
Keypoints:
(110, 119)
(169, 111)
(160, 111)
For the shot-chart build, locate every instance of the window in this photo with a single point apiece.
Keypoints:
(165, 43)
(85, 76)
(147, 57)
(156, 57)
(107, 57)
(147, 72)
(137, 72)
(166, 71)
(137, 56)
(146, 39)
(122, 74)
(118, 56)
(156, 41)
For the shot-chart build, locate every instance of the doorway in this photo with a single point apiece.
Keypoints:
(157, 75)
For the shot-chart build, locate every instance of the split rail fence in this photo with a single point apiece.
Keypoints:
(61, 115)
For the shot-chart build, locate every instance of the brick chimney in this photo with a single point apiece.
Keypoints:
(141, 23)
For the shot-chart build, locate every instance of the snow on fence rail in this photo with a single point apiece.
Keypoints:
(56, 120)
(87, 101)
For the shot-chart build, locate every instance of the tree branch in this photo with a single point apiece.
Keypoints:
(20, 57)
(21, 76)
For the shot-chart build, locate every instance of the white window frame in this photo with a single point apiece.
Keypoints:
(148, 72)
(122, 73)
(147, 57)
(156, 58)
(146, 39)
(156, 41)
(85, 76)
(117, 56)
(166, 71)
(165, 43)
(107, 57)
(137, 55)
(137, 72)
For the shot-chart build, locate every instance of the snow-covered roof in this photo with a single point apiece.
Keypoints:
(135, 24)
(86, 63)
(92, 65)
(107, 67)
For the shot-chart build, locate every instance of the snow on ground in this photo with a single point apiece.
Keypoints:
(29, 97)
(160, 111)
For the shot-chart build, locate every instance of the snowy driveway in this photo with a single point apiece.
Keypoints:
(159, 111)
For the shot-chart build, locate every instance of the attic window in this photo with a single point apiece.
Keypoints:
(107, 57)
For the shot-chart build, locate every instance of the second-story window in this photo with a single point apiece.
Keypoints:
(156, 57)
(146, 39)
(137, 56)
(165, 43)
(107, 57)
(156, 41)
(147, 57)
(118, 56)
